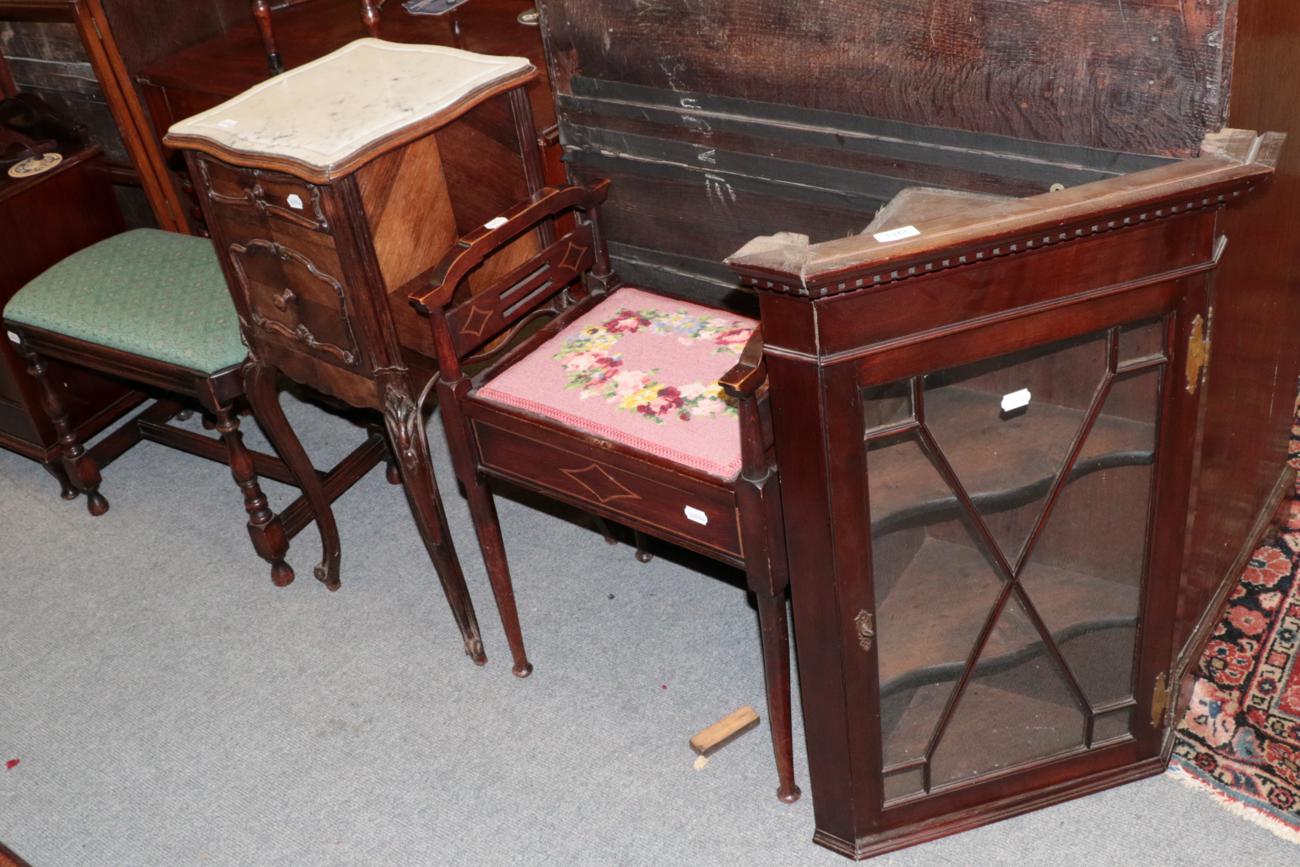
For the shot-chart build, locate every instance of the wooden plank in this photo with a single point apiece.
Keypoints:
(1145, 77)
(709, 740)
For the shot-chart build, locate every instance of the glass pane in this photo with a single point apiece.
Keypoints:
(904, 783)
(1007, 624)
(923, 550)
(1006, 425)
(1084, 576)
(1112, 724)
(886, 405)
(1142, 340)
(1018, 706)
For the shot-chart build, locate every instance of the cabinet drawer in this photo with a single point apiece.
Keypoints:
(293, 285)
(256, 193)
(584, 476)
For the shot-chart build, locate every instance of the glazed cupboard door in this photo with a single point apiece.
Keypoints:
(1012, 504)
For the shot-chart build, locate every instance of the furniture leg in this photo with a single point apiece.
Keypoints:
(392, 473)
(78, 466)
(68, 492)
(262, 15)
(487, 526)
(263, 396)
(643, 554)
(264, 528)
(773, 625)
(370, 17)
(410, 444)
(605, 530)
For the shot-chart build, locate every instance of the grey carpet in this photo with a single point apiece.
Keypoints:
(169, 706)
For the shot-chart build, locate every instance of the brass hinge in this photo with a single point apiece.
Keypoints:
(1160, 701)
(1198, 350)
(866, 629)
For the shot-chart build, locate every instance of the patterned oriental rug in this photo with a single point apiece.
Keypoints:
(1240, 736)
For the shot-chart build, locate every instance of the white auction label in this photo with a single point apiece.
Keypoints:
(1016, 400)
(696, 515)
(897, 234)
(295, 201)
(13, 338)
(495, 223)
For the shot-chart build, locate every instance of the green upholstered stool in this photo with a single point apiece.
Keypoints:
(157, 295)
(153, 308)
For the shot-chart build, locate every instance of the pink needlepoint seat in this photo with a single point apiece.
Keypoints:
(641, 370)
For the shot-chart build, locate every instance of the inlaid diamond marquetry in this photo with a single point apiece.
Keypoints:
(475, 321)
(573, 257)
(600, 484)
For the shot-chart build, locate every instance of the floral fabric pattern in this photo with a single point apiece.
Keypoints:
(596, 369)
(641, 370)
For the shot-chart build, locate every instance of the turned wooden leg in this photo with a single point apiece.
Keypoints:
(487, 526)
(260, 385)
(262, 15)
(269, 538)
(772, 623)
(410, 444)
(78, 466)
(370, 17)
(605, 530)
(643, 554)
(67, 491)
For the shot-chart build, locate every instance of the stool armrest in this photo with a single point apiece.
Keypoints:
(747, 375)
(434, 288)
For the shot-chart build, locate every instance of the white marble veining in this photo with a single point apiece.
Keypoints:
(325, 111)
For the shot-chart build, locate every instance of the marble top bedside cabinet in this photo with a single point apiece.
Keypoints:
(330, 191)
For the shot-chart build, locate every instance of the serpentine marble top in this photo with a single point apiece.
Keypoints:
(325, 114)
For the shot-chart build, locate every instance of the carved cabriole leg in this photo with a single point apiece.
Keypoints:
(79, 467)
(260, 385)
(262, 15)
(409, 442)
(67, 492)
(269, 538)
(392, 473)
(487, 526)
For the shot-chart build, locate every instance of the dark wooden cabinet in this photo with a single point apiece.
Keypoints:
(43, 219)
(987, 493)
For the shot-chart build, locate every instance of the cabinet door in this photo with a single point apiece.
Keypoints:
(1011, 503)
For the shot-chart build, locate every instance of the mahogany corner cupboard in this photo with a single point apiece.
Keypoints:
(1026, 281)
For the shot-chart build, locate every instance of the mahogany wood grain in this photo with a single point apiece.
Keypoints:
(812, 297)
(1250, 389)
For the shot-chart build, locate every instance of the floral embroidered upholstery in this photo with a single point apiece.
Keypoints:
(159, 295)
(642, 370)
